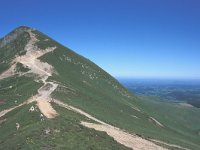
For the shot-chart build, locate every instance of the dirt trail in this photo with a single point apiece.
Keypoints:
(77, 111)
(129, 140)
(43, 98)
(4, 112)
(30, 100)
(42, 69)
(30, 60)
(170, 145)
(156, 122)
(132, 141)
(46, 109)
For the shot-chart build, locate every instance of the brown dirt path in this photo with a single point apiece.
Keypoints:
(39, 68)
(133, 141)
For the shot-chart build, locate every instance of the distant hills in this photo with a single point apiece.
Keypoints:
(171, 90)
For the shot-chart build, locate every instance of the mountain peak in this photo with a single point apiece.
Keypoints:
(13, 35)
(53, 92)
(23, 28)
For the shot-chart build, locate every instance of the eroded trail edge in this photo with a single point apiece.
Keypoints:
(122, 137)
(41, 69)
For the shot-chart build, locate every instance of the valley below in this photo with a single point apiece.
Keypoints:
(169, 90)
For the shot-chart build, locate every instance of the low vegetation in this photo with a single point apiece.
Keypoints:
(84, 85)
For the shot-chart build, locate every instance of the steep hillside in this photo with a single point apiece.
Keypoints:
(69, 96)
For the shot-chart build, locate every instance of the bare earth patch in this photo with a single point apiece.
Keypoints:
(4, 112)
(170, 145)
(133, 141)
(156, 122)
(30, 60)
(42, 69)
(46, 109)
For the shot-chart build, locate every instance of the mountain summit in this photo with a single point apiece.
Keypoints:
(53, 98)
(13, 35)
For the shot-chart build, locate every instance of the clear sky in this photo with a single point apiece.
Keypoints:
(130, 38)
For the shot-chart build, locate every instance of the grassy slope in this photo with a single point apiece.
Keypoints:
(182, 120)
(65, 132)
(15, 88)
(90, 88)
(9, 51)
(22, 89)
(96, 92)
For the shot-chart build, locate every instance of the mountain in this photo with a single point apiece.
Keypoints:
(53, 98)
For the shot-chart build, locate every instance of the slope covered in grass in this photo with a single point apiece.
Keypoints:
(11, 45)
(86, 86)
(62, 132)
(15, 90)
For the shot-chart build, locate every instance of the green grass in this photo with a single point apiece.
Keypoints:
(65, 132)
(9, 51)
(183, 121)
(88, 87)
(103, 97)
(16, 89)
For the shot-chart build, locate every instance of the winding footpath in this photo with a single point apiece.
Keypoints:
(43, 70)
(132, 141)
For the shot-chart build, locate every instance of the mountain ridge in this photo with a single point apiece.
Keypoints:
(53, 74)
(13, 35)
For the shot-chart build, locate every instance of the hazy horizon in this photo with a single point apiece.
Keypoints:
(159, 80)
(156, 78)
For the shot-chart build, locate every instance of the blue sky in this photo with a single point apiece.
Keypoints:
(129, 38)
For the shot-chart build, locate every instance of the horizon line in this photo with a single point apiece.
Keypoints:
(159, 78)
